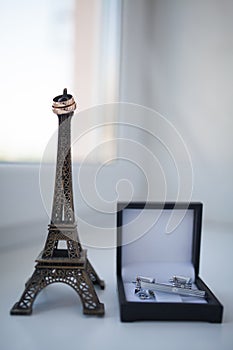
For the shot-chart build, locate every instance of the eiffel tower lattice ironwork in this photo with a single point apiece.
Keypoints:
(70, 265)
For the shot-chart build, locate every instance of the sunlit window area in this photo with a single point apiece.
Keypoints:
(45, 47)
(36, 58)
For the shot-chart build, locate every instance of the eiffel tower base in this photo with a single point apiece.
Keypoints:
(80, 278)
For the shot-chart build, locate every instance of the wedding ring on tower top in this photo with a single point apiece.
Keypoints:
(63, 104)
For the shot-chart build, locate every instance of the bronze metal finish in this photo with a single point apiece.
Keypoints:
(70, 265)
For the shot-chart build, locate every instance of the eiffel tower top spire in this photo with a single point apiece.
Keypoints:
(63, 205)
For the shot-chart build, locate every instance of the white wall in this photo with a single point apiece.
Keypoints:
(177, 58)
(27, 194)
(20, 194)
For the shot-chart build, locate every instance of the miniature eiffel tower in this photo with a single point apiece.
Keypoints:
(69, 265)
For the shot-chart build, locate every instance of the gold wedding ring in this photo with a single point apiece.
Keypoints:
(63, 104)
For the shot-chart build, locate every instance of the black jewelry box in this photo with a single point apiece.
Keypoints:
(161, 240)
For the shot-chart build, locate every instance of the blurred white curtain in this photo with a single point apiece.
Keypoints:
(97, 75)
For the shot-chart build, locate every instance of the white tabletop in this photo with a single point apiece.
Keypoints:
(57, 321)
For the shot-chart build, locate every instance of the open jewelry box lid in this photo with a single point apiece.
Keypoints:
(161, 240)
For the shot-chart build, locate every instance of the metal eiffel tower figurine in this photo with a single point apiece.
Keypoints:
(69, 265)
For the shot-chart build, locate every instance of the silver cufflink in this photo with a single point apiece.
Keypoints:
(181, 282)
(145, 294)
